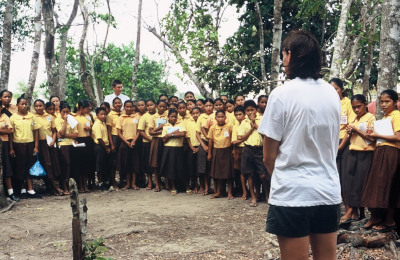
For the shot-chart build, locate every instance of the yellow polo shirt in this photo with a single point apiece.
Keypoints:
(99, 131)
(112, 119)
(220, 135)
(255, 138)
(83, 121)
(47, 123)
(63, 140)
(183, 118)
(128, 125)
(191, 126)
(5, 121)
(395, 118)
(173, 141)
(144, 125)
(347, 115)
(357, 143)
(157, 119)
(235, 130)
(23, 127)
(200, 121)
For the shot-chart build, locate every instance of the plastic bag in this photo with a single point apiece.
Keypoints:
(37, 169)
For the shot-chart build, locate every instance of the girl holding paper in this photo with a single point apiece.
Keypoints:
(360, 157)
(381, 190)
(47, 138)
(66, 135)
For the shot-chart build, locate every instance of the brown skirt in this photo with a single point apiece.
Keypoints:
(45, 159)
(24, 160)
(172, 163)
(55, 161)
(190, 161)
(203, 165)
(222, 163)
(65, 162)
(84, 157)
(146, 157)
(114, 155)
(128, 159)
(356, 172)
(237, 158)
(5, 159)
(380, 186)
(341, 162)
(156, 151)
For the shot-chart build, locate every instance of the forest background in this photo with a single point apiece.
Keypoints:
(212, 47)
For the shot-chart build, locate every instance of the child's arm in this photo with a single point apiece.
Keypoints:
(204, 131)
(135, 138)
(246, 136)
(144, 135)
(360, 133)
(236, 142)
(102, 143)
(6, 130)
(195, 150)
(64, 127)
(10, 144)
(205, 147)
(36, 137)
(390, 138)
(53, 137)
(123, 138)
(344, 142)
(210, 147)
(157, 130)
(109, 129)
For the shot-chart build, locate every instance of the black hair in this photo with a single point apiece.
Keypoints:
(116, 82)
(49, 104)
(181, 102)
(208, 100)
(250, 103)
(171, 97)
(100, 109)
(4, 91)
(64, 104)
(238, 95)
(360, 98)
(39, 100)
(230, 101)
(261, 96)
(174, 105)
(392, 95)
(219, 111)
(22, 97)
(196, 108)
(106, 104)
(172, 111)
(189, 92)
(191, 100)
(161, 101)
(51, 97)
(141, 100)
(116, 99)
(83, 103)
(150, 100)
(219, 99)
(338, 82)
(305, 55)
(129, 101)
(159, 97)
(201, 100)
(238, 109)
(223, 95)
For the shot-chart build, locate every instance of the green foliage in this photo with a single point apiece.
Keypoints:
(95, 250)
(21, 89)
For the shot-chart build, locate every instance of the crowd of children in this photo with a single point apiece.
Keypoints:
(179, 145)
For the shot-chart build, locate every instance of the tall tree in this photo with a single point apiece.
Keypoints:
(262, 45)
(7, 35)
(49, 52)
(276, 43)
(137, 54)
(389, 48)
(340, 40)
(36, 51)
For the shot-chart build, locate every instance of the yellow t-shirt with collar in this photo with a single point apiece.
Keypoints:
(255, 138)
(191, 127)
(99, 131)
(200, 121)
(47, 123)
(347, 115)
(220, 135)
(128, 124)
(112, 119)
(5, 121)
(144, 125)
(183, 118)
(63, 141)
(173, 141)
(395, 119)
(83, 121)
(158, 118)
(357, 143)
(23, 127)
(235, 130)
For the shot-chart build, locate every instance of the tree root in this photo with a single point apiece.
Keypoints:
(342, 250)
(8, 208)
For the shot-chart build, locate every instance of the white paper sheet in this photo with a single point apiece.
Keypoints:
(383, 127)
(173, 129)
(78, 145)
(72, 121)
(160, 121)
(49, 139)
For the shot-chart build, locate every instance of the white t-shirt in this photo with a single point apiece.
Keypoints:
(304, 115)
(110, 98)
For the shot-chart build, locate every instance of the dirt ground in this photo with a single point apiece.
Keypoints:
(141, 225)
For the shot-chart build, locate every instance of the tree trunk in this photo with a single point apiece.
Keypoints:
(137, 52)
(337, 57)
(83, 68)
(276, 44)
(389, 48)
(63, 50)
(6, 48)
(49, 53)
(36, 51)
(368, 65)
(186, 69)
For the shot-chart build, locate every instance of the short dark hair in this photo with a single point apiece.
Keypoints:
(306, 59)
(338, 82)
(196, 108)
(100, 109)
(250, 103)
(116, 82)
(165, 95)
(239, 109)
(261, 96)
(360, 98)
(392, 95)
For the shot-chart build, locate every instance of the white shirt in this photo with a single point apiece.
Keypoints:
(110, 98)
(304, 115)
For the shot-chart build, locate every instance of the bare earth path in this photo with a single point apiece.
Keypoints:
(140, 225)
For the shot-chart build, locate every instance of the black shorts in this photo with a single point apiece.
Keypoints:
(252, 160)
(297, 222)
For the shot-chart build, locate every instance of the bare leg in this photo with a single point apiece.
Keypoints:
(218, 187)
(29, 183)
(323, 246)
(205, 184)
(244, 188)
(230, 189)
(134, 186)
(294, 248)
(251, 188)
(128, 181)
(149, 182)
(8, 182)
(374, 220)
(265, 186)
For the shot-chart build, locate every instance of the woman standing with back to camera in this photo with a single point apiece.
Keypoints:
(301, 125)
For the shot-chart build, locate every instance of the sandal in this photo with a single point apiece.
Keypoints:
(148, 188)
(215, 196)
(189, 192)
(136, 188)
(383, 228)
(230, 197)
(174, 192)
(253, 204)
(243, 198)
(157, 189)
(205, 193)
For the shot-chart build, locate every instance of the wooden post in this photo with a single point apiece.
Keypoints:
(79, 221)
